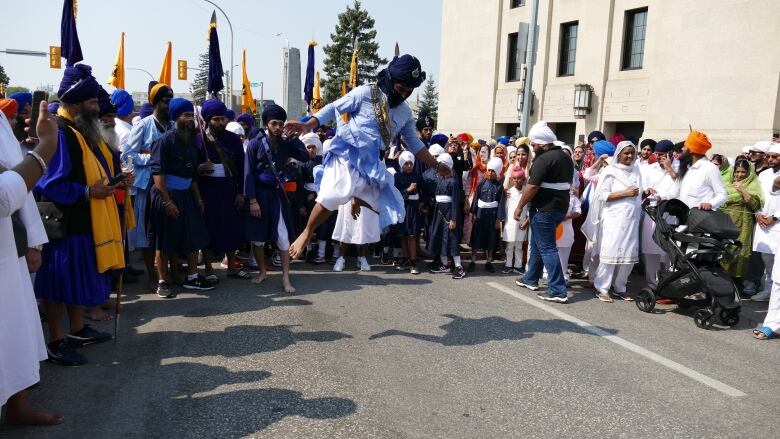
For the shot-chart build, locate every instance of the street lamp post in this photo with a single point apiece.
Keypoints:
(141, 70)
(230, 25)
(25, 52)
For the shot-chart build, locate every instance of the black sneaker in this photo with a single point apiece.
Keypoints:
(164, 290)
(441, 268)
(433, 265)
(87, 336)
(507, 270)
(459, 273)
(550, 298)
(199, 283)
(63, 353)
(472, 266)
(403, 264)
(489, 267)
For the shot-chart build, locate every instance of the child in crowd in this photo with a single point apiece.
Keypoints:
(565, 239)
(515, 233)
(408, 183)
(487, 211)
(446, 226)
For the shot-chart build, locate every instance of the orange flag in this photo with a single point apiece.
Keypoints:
(165, 70)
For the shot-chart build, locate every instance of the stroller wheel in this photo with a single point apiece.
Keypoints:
(703, 318)
(645, 300)
(729, 317)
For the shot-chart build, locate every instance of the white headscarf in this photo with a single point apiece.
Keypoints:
(312, 139)
(235, 128)
(541, 134)
(436, 150)
(406, 156)
(496, 165)
(446, 159)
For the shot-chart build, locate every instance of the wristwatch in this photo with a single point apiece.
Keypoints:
(37, 247)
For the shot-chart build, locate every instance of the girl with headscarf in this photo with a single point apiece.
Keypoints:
(614, 217)
(501, 152)
(745, 198)
(477, 175)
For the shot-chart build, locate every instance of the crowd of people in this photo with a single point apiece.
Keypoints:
(184, 185)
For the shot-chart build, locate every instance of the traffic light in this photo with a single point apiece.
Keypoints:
(55, 58)
(183, 69)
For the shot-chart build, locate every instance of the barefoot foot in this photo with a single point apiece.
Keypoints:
(288, 288)
(40, 418)
(259, 278)
(297, 247)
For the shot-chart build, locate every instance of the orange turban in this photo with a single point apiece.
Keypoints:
(697, 143)
(9, 107)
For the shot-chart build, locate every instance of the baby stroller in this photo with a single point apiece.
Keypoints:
(695, 241)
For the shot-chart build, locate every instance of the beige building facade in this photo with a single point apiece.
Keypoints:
(655, 67)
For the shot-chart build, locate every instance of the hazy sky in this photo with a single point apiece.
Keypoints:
(149, 24)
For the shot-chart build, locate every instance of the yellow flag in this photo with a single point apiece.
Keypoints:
(117, 78)
(344, 116)
(247, 100)
(353, 69)
(316, 99)
(165, 70)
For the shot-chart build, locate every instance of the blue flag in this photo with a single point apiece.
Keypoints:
(215, 61)
(69, 37)
(308, 85)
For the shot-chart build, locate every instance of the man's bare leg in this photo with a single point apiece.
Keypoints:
(151, 270)
(318, 216)
(259, 252)
(288, 288)
(20, 412)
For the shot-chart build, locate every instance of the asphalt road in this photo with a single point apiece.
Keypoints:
(391, 355)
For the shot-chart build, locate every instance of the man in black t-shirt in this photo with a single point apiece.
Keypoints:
(547, 195)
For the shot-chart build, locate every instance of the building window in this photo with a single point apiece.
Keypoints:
(513, 71)
(516, 3)
(568, 49)
(634, 39)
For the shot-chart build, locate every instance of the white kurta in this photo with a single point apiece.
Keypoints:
(654, 177)
(511, 231)
(567, 237)
(703, 184)
(618, 241)
(364, 230)
(21, 338)
(767, 240)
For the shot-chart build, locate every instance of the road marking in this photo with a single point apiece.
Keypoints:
(673, 365)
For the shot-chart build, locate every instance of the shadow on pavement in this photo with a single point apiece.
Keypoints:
(462, 331)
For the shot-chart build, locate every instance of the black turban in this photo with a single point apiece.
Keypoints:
(273, 112)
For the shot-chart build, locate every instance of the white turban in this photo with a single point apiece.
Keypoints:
(326, 146)
(235, 128)
(406, 156)
(446, 159)
(762, 145)
(436, 150)
(746, 149)
(775, 148)
(541, 134)
(511, 150)
(312, 139)
(496, 165)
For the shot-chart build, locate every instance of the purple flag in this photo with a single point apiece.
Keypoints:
(215, 60)
(69, 37)
(308, 85)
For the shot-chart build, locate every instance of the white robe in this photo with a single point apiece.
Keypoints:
(22, 347)
(511, 231)
(767, 240)
(618, 228)
(654, 177)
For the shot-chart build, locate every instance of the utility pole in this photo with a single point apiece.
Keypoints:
(530, 60)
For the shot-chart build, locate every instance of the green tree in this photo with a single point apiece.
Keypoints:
(429, 101)
(354, 25)
(4, 79)
(201, 82)
(16, 89)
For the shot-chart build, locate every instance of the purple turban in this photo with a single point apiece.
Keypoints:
(178, 106)
(273, 112)
(231, 115)
(104, 103)
(145, 110)
(53, 107)
(664, 145)
(78, 84)
(211, 108)
(123, 102)
(440, 139)
(407, 70)
(247, 119)
(595, 136)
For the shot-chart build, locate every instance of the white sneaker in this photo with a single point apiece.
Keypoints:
(339, 265)
(761, 297)
(363, 264)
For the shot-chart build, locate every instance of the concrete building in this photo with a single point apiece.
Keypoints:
(655, 67)
(291, 87)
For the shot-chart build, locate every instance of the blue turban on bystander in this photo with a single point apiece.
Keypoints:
(595, 136)
(230, 114)
(123, 102)
(78, 84)
(603, 147)
(146, 109)
(440, 139)
(247, 119)
(664, 146)
(178, 106)
(22, 98)
(211, 108)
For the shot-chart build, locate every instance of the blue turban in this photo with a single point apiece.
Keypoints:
(603, 147)
(247, 119)
(212, 108)
(230, 114)
(104, 103)
(177, 106)
(53, 107)
(595, 136)
(664, 146)
(273, 112)
(22, 98)
(504, 140)
(440, 139)
(78, 84)
(145, 110)
(407, 70)
(123, 102)
(331, 133)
